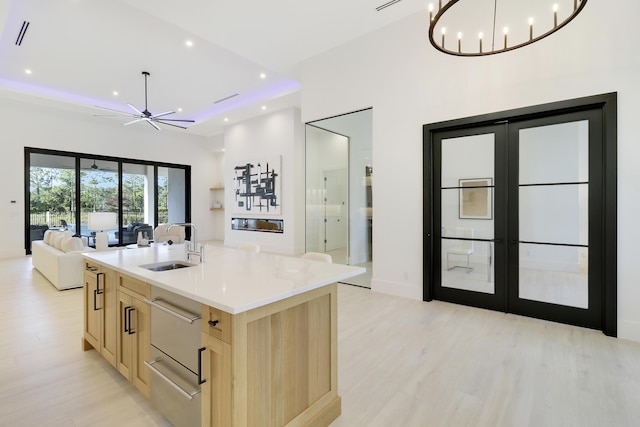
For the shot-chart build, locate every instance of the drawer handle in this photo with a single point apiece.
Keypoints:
(213, 323)
(189, 319)
(168, 380)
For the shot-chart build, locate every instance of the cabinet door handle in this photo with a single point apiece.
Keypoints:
(95, 302)
(98, 282)
(200, 379)
(131, 331)
(126, 318)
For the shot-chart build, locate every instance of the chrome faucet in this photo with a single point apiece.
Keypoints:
(192, 248)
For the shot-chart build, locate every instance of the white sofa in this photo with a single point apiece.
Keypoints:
(59, 258)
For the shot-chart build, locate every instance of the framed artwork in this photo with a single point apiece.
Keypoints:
(257, 185)
(476, 198)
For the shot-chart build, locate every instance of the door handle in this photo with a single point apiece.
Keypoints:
(95, 303)
(200, 379)
(131, 331)
(126, 319)
(98, 282)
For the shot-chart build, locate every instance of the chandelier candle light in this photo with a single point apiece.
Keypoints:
(470, 13)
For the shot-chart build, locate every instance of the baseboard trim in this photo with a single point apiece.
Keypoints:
(397, 289)
(629, 330)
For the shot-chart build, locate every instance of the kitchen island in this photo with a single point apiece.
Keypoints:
(268, 328)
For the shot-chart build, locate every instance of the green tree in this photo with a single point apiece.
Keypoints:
(133, 198)
(41, 181)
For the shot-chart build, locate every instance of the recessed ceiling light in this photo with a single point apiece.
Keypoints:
(264, 107)
(189, 43)
(179, 109)
(263, 76)
(115, 93)
(28, 71)
(226, 119)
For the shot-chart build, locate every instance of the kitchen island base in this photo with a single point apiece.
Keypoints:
(275, 365)
(265, 347)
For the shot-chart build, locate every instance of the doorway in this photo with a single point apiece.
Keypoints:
(339, 174)
(521, 217)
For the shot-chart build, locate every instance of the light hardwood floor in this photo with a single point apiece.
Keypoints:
(401, 363)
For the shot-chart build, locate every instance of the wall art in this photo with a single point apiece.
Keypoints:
(257, 186)
(476, 198)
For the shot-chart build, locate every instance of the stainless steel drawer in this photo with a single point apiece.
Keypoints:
(174, 390)
(175, 326)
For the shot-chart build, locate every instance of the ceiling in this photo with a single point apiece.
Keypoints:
(80, 52)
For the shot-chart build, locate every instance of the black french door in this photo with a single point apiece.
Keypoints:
(520, 218)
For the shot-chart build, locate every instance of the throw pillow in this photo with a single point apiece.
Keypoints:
(70, 244)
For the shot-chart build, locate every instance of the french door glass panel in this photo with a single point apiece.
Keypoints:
(553, 214)
(467, 203)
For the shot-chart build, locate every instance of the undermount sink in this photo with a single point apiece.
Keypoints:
(166, 266)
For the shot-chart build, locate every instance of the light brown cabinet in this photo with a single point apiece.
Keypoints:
(275, 365)
(100, 311)
(133, 332)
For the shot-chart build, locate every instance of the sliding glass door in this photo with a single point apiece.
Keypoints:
(52, 201)
(62, 189)
(98, 193)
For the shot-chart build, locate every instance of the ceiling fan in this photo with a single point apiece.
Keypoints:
(145, 115)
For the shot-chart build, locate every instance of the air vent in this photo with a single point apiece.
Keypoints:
(387, 4)
(22, 32)
(226, 98)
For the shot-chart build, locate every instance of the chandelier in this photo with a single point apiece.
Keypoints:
(488, 20)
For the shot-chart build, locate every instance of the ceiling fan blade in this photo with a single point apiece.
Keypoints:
(169, 124)
(132, 122)
(178, 120)
(145, 115)
(115, 111)
(152, 124)
(155, 116)
(111, 116)
(136, 110)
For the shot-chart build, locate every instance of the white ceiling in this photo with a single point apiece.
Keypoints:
(81, 51)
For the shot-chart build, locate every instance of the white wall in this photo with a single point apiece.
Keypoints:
(217, 217)
(276, 134)
(32, 124)
(408, 84)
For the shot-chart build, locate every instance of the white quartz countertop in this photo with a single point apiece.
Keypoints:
(231, 280)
